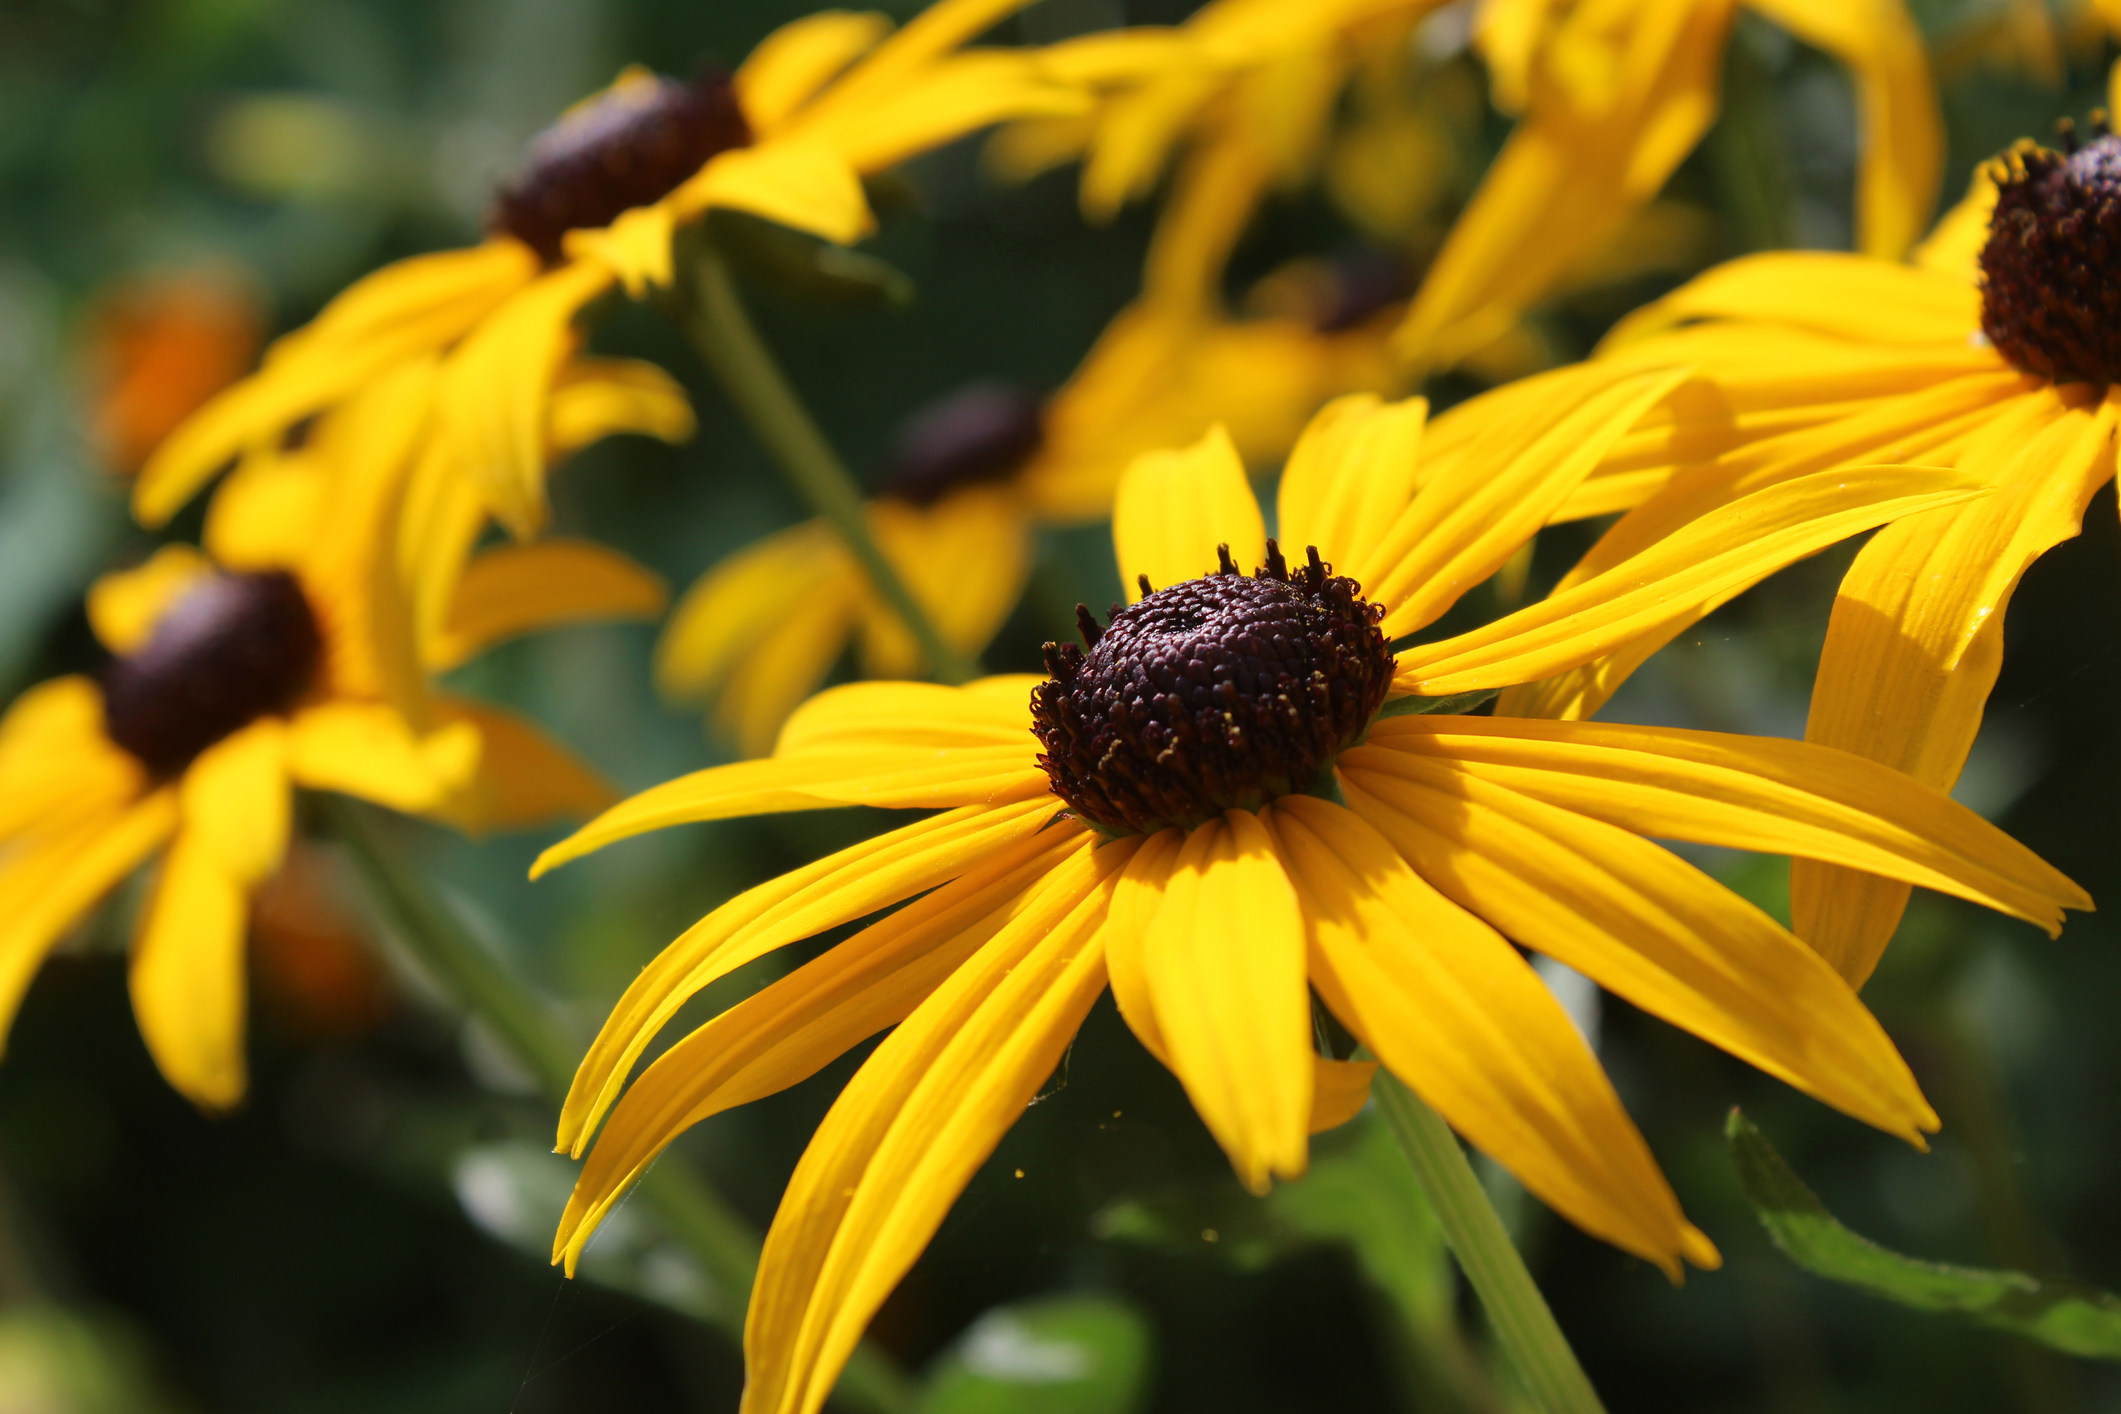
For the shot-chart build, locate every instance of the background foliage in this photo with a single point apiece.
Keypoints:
(368, 1232)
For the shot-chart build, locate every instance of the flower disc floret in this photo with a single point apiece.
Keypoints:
(1220, 693)
(234, 648)
(981, 433)
(2051, 268)
(629, 146)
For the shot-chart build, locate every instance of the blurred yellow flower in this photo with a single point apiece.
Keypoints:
(296, 650)
(820, 103)
(1994, 351)
(1231, 798)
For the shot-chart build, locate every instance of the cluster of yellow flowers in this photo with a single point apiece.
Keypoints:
(1258, 779)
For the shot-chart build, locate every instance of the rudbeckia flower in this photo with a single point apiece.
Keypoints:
(977, 472)
(1614, 95)
(819, 104)
(1991, 352)
(1229, 796)
(289, 653)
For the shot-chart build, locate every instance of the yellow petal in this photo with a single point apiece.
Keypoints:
(1217, 189)
(1735, 546)
(1457, 1014)
(796, 182)
(265, 514)
(965, 559)
(1953, 245)
(993, 711)
(958, 96)
(57, 765)
(788, 1031)
(1175, 508)
(409, 309)
(1349, 477)
(1849, 296)
(1915, 643)
(635, 247)
(1339, 1090)
(911, 1128)
(188, 978)
(593, 398)
(1754, 793)
(516, 589)
(236, 802)
(786, 664)
(368, 750)
(47, 887)
(798, 59)
(842, 887)
(731, 607)
(894, 65)
(495, 387)
(524, 778)
(1644, 924)
(1224, 959)
(1137, 894)
(124, 607)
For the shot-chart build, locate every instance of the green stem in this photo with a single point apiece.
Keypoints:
(719, 1239)
(1517, 1313)
(715, 320)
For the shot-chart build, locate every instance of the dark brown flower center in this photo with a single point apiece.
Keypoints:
(234, 648)
(629, 146)
(1220, 693)
(983, 432)
(2051, 270)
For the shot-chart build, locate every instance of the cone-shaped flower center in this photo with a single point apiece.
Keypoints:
(2051, 270)
(630, 145)
(1223, 692)
(983, 432)
(233, 649)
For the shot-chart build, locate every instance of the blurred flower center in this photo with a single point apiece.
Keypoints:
(2051, 269)
(234, 648)
(983, 432)
(1220, 693)
(630, 145)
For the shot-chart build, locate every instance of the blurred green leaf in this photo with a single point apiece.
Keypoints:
(802, 267)
(2081, 1320)
(1068, 1355)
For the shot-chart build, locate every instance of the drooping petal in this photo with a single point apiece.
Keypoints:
(788, 1031)
(413, 308)
(125, 606)
(593, 398)
(1223, 956)
(1741, 792)
(1915, 643)
(236, 802)
(187, 976)
(1738, 545)
(728, 609)
(635, 247)
(1644, 924)
(964, 559)
(368, 750)
(912, 1127)
(1456, 1013)
(1175, 508)
(524, 778)
(1137, 894)
(495, 387)
(56, 763)
(516, 589)
(797, 183)
(910, 52)
(48, 886)
(785, 666)
(842, 887)
(958, 96)
(265, 513)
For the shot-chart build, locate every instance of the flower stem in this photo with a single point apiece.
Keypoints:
(714, 319)
(1517, 1313)
(719, 1239)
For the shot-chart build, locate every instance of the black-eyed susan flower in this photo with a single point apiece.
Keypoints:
(1613, 97)
(296, 650)
(820, 103)
(977, 472)
(1219, 802)
(1990, 352)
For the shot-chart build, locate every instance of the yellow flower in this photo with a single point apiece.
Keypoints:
(1220, 803)
(1615, 94)
(758, 632)
(290, 653)
(817, 105)
(1991, 353)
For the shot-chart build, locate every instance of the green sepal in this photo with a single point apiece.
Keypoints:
(1456, 705)
(2066, 1315)
(803, 267)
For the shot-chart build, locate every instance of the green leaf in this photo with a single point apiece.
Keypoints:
(804, 268)
(1064, 1355)
(1423, 706)
(2069, 1316)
